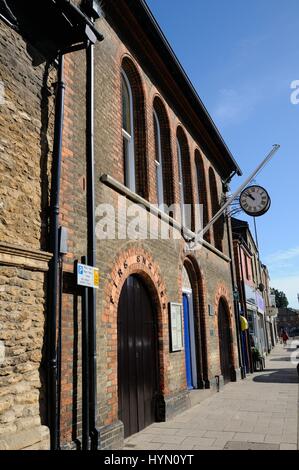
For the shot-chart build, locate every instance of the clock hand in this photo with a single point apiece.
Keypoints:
(251, 197)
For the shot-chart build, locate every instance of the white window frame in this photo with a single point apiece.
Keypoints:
(130, 174)
(181, 183)
(159, 163)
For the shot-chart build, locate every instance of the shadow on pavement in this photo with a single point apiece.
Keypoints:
(284, 376)
(280, 359)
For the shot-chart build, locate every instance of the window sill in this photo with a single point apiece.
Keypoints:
(122, 189)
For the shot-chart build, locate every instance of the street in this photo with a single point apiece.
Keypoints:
(258, 413)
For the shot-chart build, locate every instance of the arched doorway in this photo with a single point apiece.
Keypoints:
(189, 341)
(137, 357)
(225, 343)
(194, 328)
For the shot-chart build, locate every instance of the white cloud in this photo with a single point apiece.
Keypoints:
(236, 105)
(290, 286)
(283, 255)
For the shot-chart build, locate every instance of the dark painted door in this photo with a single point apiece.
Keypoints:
(137, 357)
(187, 342)
(224, 342)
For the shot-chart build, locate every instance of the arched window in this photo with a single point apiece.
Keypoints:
(202, 191)
(128, 133)
(133, 130)
(158, 160)
(163, 154)
(218, 227)
(185, 180)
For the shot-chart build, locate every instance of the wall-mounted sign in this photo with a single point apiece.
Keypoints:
(250, 294)
(87, 276)
(176, 326)
(260, 302)
(273, 300)
(272, 311)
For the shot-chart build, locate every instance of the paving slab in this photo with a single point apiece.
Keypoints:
(258, 413)
(242, 445)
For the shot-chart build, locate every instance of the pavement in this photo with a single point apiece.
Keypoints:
(258, 413)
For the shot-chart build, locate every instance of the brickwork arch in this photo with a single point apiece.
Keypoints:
(140, 126)
(168, 174)
(222, 295)
(202, 190)
(139, 262)
(218, 227)
(199, 306)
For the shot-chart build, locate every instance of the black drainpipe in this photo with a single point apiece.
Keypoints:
(53, 415)
(91, 242)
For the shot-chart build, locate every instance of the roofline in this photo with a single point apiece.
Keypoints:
(246, 227)
(188, 82)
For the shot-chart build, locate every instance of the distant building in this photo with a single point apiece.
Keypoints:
(250, 286)
(270, 308)
(288, 319)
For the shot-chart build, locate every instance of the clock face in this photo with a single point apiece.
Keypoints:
(255, 201)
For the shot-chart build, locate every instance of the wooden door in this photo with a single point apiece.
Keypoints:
(137, 357)
(224, 342)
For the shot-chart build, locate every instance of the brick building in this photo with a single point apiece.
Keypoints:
(25, 142)
(270, 308)
(288, 319)
(154, 143)
(28, 80)
(251, 288)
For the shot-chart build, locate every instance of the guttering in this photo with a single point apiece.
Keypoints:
(53, 415)
(91, 244)
(72, 6)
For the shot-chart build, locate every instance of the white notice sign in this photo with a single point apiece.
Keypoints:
(87, 276)
(176, 327)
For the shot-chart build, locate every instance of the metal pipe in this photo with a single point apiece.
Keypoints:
(59, 348)
(200, 235)
(91, 241)
(8, 23)
(85, 367)
(54, 263)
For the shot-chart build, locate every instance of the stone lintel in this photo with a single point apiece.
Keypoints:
(28, 258)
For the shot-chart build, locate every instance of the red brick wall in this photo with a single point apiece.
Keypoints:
(163, 259)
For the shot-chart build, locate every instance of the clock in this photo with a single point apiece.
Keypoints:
(255, 201)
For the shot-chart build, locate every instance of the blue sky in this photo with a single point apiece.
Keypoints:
(242, 57)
